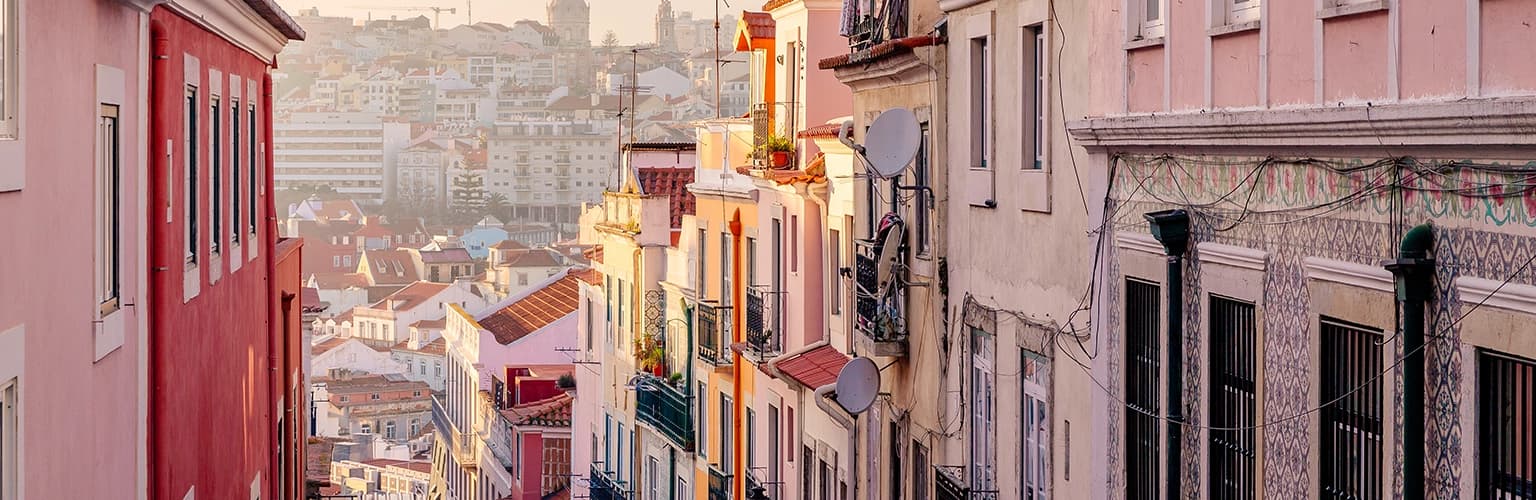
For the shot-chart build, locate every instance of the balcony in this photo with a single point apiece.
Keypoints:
(869, 30)
(764, 323)
(769, 120)
(666, 409)
(441, 423)
(713, 327)
(719, 484)
(880, 314)
(603, 486)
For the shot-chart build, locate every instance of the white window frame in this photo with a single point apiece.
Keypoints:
(977, 95)
(192, 86)
(1146, 26)
(12, 412)
(236, 200)
(13, 165)
(1241, 11)
(983, 411)
(108, 209)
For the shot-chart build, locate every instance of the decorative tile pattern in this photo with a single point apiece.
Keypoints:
(1474, 237)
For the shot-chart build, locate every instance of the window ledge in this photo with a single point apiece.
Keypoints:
(1144, 43)
(1352, 9)
(1233, 28)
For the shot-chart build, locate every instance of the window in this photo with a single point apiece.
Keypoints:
(1035, 423)
(367, 428)
(652, 479)
(389, 429)
(1350, 429)
(1143, 362)
(10, 433)
(919, 471)
(1149, 17)
(1033, 48)
(9, 98)
(216, 164)
(437, 367)
(751, 430)
(895, 466)
(1242, 11)
(335, 261)
(345, 398)
(252, 165)
(726, 456)
(587, 312)
(234, 171)
(416, 394)
(1506, 421)
(835, 274)
(373, 397)
(981, 99)
(108, 172)
(618, 458)
(703, 418)
(1233, 398)
(794, 243)
(726, 271)
(983, 413)
(189, 138)
(702, 263)
(522, 279)
(774, 463)
(777, 274)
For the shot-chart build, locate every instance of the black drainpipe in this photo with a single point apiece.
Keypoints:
(1413, 271)
(1171, 228)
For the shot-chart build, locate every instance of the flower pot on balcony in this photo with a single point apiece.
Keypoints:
(779, 159)
(659, 369)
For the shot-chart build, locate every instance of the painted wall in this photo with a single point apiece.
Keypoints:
(218, 328)
(77, 412)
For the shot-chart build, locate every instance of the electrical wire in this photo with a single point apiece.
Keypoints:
(1439, 336)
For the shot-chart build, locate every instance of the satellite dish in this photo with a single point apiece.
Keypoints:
(857, 385)
(890, 253)
(891, 142)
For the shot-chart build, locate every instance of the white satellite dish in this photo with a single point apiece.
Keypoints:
(891, 142)
(890, 255)
(857, 385)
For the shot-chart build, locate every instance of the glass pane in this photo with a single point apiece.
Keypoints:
(1154, 10)
(5, 59)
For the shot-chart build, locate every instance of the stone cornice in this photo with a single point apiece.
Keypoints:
(1235, 256)
(1349, 273)
(1472, 122)
(897, 69)
(1512, 296)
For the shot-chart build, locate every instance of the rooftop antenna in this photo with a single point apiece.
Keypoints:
(717, 55)
(634, 86)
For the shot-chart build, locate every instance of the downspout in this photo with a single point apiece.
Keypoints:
(1171, 228)
(159, 134)
(268, 249)
(738, 410)
(841, 416)
(1413, 271)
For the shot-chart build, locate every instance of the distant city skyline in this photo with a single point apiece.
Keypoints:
(620, 16)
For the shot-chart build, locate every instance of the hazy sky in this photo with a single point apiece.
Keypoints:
(632, 20)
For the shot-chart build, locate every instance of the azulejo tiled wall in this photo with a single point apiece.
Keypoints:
(1482, 219)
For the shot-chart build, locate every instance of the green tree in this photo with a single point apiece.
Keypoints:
(610, 40)
(468, 194)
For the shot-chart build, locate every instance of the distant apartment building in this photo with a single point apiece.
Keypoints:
(422, 353)
(389, 406)
(512, 267)
(344, 151)
(547, 169)
(387, 322)
(382, 478)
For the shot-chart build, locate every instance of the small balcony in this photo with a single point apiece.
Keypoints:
(880, 317)
(770, 121)
(719, 483)
(604, 486)
(666, 409)
(764, 323)
(713, 330)
(871, 29)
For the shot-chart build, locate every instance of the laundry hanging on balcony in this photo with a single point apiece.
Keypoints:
(850, 21)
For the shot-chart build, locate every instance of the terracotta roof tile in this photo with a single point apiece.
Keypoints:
(774, 4)
(589, 275)
(879, 51)
(758, 25)
(816, 367)
(532, 258)
(552, 412)
(446, 255)
(326, 346)
(829, 130)
(534, 311)
(411, 296)
(338, 281)
(672, 182)
(510, 245)
(390, 267)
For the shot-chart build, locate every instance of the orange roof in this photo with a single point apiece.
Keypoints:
(337, 281)
(774, 4)
(532, 258)
(534, 311)
(411, 296)
(753, 26)
(552, 412)
(589, 275)
(510, 245)
(829, 130)
(390, 267)
(816, 367)
(323, 347)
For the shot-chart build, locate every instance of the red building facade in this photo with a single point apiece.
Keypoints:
(226, 381)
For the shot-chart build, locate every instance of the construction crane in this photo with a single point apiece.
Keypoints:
(437, 12)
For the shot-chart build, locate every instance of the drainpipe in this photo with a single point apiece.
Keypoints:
(1171, 228)
(738, 391)
(847, 421)
(1413, 271)
(159, 133)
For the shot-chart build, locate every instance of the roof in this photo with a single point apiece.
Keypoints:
(879, 51)
(275, 16)
(337, 281)
(436, 347)
(672, 182)
(814, 368)
(594, 254)
(532, 258)
(754, 26)
(327, 345)
(774, 4)
(334, 209)
(357, 383)
(411, 296)
(589, 275)
(390, 267)
(827, 131)
(534, 311)
(552, 412)
(438, 323)
(510, 245)
(311, 300)
(446, 255)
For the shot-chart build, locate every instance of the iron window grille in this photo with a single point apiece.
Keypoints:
(1351, 427)
(1232, 398)
(1143, 364)
(1507, 421)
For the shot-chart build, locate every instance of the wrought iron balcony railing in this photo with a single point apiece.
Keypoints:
(879, 307)
(879, 21)
(666, 409)
(713, 332)
(764, 322)
(604, 486)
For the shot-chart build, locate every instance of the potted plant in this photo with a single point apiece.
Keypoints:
(777, 148)
(657, 358)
